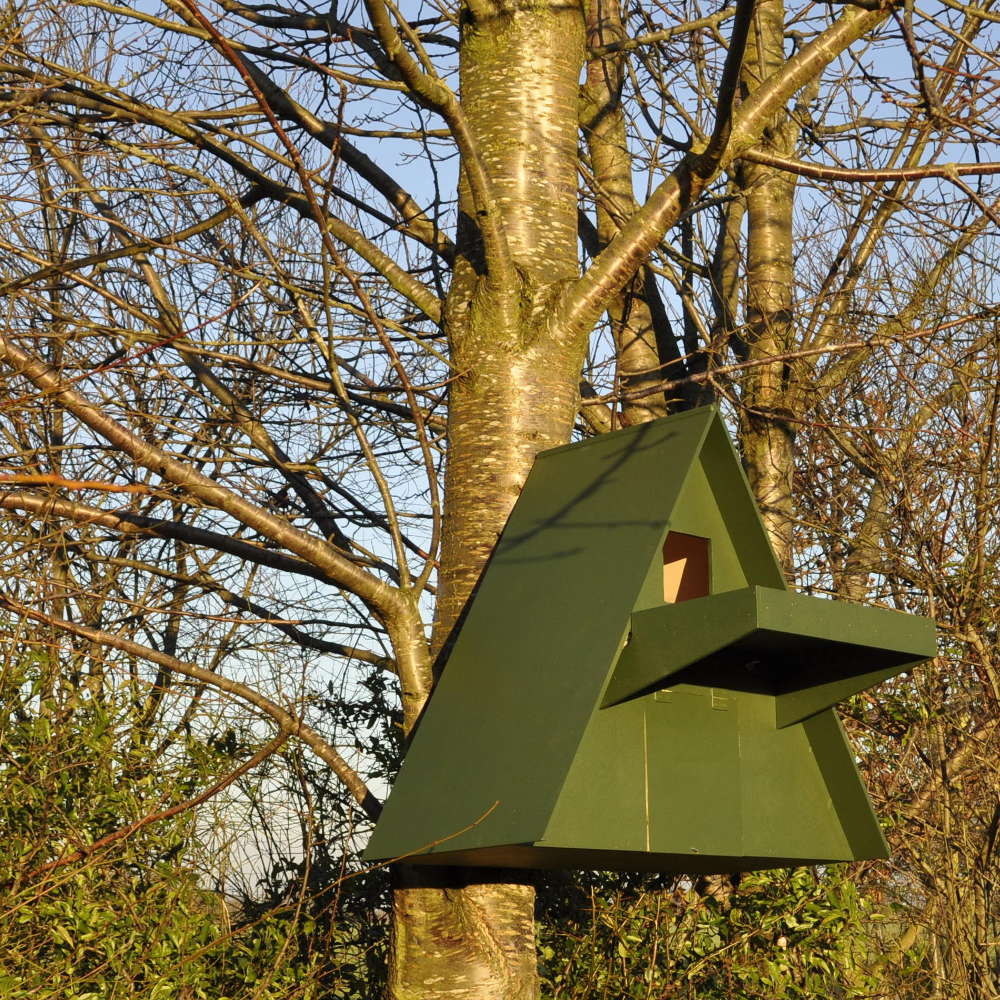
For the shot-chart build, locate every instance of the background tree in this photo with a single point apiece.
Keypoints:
(295, 295)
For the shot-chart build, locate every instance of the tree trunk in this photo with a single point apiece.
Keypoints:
(632, 316)
(469, 933)
(768, 428)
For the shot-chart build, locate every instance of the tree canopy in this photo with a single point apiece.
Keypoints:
(294, 295)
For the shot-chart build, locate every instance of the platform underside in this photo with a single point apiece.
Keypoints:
(542, 857)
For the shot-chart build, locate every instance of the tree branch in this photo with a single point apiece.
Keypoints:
(950, 768)
(209, 585)
(582, 303)
(860, 175)
(728, 87)
(664, 35)
(850, 346)
(63, 268)
(415, 220)
(174, 334)
(130, 522)
(338, 568)
(440, 97)
(286, 721)
(55, 90)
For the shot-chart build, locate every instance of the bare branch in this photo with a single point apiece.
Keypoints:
(860, 175)
(337, 567)
(583, 302)
(288, 723)
(439, 96)
(130, 522)
(665, 35)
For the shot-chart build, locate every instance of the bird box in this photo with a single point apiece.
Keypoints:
(635, 688)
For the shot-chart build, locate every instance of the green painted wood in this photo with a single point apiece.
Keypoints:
(694, 773)
(697, 512)
(840, 772)
(718, 781)
(739, 510)
(807, 652)
(604, 791)
(532, 657)
(666, 638)
(785, 791)
(552, 738)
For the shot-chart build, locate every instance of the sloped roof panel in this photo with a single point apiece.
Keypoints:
(537, 644)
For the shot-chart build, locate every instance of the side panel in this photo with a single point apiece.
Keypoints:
(833, 753)
(694, 772)
(603, 803)
(541, 635)
(787, 806)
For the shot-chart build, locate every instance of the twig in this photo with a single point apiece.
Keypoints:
(288, 722)
(127, 831)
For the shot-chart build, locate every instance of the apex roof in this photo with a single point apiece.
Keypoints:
(584, 720)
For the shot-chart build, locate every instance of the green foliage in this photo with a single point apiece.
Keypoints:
(793, 934)
(142, 917)
(135, 918)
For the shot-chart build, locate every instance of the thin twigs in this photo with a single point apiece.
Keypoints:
(860, 175)
(338, 568)
(438, 96)
(811, 352)
(404, 623)
(126, 831)
(289, 723)
(583, 302)
(665, 35)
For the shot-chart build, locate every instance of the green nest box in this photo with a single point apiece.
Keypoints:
(635, 688)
